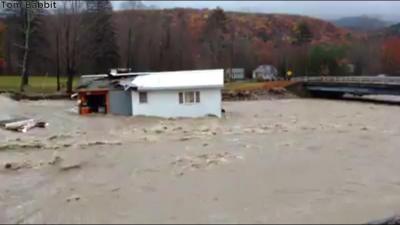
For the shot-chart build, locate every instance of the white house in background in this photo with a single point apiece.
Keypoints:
(265, 72)
(176, 94)
(234, 74)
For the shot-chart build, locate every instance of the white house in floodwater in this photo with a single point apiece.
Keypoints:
(177, 94)
(164, 94)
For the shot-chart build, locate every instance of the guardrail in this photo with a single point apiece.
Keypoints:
(351, 79)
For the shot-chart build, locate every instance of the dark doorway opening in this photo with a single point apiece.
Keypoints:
(97, 103)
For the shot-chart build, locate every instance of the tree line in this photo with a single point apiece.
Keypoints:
(89, 37)
(78, 37)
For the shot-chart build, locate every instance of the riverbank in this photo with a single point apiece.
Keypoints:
(35, 96)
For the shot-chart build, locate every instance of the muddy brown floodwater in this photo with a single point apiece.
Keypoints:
(276, 161)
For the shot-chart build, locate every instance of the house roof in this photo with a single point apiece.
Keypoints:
(92, 82)
(266, 69)
(265, 66)
(102, 81)
(177, 80)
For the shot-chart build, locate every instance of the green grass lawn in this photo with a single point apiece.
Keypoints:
(43, 84)
(37, 84)
(254, 85)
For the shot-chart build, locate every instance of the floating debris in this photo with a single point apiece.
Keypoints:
(97, 143)
(22, 124)
(73, 198)
(203, 161)
(71, 167)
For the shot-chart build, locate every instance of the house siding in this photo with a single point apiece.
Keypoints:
(120, 102)
(165, 103)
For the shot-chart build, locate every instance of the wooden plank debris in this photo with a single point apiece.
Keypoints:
(17, 122)
(22, 124)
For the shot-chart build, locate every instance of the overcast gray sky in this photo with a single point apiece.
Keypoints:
(389, 10)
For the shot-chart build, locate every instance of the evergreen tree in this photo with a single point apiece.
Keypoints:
(303, 36)
(100, 40)
(303, 33)
(324, 59)
(213, 37)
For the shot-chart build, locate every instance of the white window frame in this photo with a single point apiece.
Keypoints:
(147, 97)
(183, 96)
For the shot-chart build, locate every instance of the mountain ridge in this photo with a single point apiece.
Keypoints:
(362, 23)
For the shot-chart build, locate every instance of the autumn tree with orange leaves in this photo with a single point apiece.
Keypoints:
(391, 56)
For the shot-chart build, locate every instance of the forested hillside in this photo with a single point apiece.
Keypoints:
(185, 39)
(85, 37)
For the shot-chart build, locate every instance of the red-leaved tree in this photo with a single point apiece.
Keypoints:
(391, 56)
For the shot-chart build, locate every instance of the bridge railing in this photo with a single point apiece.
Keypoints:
(350, 79)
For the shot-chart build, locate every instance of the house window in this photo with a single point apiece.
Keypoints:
(142, 97)
(197, 96)
(189, 97)
(180, 97)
